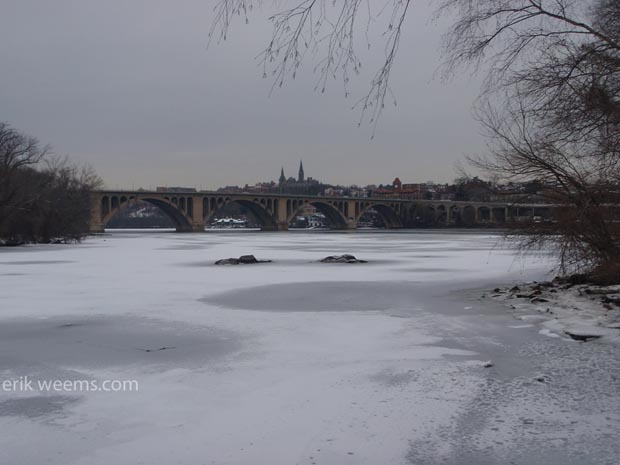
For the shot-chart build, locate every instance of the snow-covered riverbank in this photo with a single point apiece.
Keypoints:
(294, 361)
(579, 312)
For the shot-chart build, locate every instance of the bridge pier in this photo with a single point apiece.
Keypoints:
(95, 228)
(281, 215)
(349, 213)
(95, 225)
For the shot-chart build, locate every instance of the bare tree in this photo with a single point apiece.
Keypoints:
(18, 152)
(579, 185)
(558, 122)
(64, 212)
(329, 31)
(41, 198)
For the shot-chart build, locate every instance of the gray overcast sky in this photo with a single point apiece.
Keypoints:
(129, 87)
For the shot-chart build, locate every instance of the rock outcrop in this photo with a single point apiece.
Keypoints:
(242, 260)
(342, 259)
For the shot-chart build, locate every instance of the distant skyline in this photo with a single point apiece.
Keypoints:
(129, 88)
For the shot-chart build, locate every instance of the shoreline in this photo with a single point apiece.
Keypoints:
(582, 312)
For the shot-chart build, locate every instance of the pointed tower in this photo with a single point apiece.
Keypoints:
(282, 177)
(300, 178)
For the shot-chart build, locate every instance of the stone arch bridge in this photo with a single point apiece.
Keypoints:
(191, 211)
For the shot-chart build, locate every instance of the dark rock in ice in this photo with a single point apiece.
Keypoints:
(342, 259)
(611, 299)
(539, 300)
(243, 260)
(158, 349)
(581, 336)
(515, 289)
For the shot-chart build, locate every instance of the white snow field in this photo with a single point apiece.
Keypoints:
(290, 362)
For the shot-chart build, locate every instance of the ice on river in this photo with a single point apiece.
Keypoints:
(290, 362)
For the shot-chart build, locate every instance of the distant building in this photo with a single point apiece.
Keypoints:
(230, 190)
(301, 185)
(261, 188)
(427, 190)
(300, 177)
(175, 189)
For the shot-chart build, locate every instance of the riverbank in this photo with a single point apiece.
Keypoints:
(580, 312)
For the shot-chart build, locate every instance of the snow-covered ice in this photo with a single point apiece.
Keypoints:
(295, 361)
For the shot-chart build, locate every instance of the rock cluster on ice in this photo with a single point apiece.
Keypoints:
(242, 260)
(346, 258)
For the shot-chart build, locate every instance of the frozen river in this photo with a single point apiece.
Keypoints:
(290, 362)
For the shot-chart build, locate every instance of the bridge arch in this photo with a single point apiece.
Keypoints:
(259, 208)
(499, 215)
(484, 214)
(441, 215)
(462, 215)
(455, 215)
(389, 213)
(429, 215)
(111, 205)
(336, 219)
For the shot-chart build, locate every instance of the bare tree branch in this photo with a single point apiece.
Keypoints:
(329, 30)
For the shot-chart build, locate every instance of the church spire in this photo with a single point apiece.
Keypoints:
(282, 177)
(301, 171)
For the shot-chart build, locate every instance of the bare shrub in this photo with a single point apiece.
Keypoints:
(42, 199)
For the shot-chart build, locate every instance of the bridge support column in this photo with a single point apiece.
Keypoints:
(197, 218)
(281, 220)
(95, 228)
(95, 224)
(350, 210)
